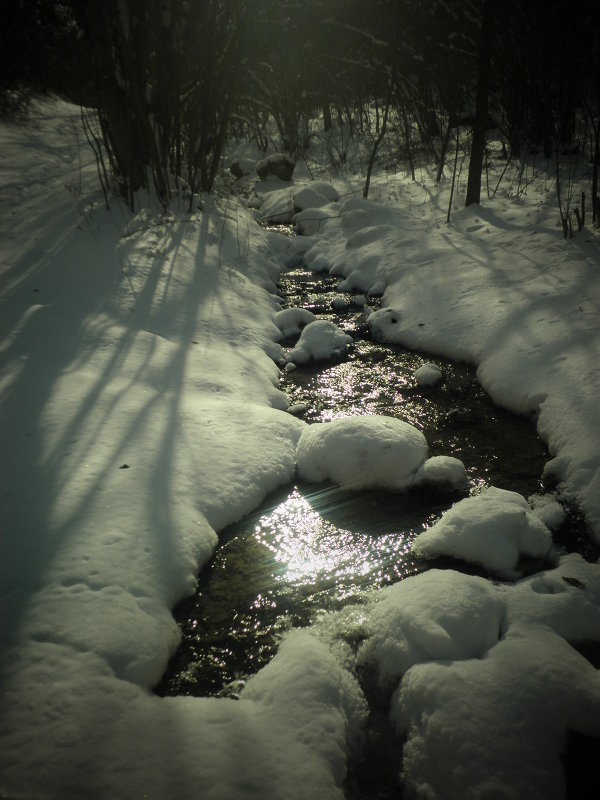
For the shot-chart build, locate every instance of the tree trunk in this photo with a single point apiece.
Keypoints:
(595, 169)
(481, 105)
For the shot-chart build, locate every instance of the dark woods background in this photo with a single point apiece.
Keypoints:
(170, 80)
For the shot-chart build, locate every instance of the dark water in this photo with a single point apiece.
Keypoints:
(309, 548)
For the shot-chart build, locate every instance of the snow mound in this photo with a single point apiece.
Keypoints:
(565, 599)
(320, 341)
(362, 281)
(272, 203)
(361, 452)
(314, 697)
(547, 508)
(355, 214)
(384, 324)
(494, 529)
(428, 375)
(442, 470)
(315, 195)
(311, 220)
(496, 725)
(422, 618)
(290, 321)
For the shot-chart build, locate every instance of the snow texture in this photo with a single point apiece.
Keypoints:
(140, 414)
(494, 529)
(442, 471)
(428, 375)
(290, 321)
(320, 341)
(361, 452)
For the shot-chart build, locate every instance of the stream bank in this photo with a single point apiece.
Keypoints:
(314, 548)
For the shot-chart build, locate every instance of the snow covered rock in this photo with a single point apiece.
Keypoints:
(548, 509)
(428, 375)
(278, 164)
(422, 618)
(320, 341)
(310, 221)
(273, 206)
(361, 452)
(240, 167)
(290, 321)
(297, 409)
(314, 195)
(339, 304)
(495, 529)
(442, 471)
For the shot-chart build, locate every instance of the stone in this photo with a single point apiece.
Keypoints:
(278, 164)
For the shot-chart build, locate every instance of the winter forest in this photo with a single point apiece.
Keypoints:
(299, 417)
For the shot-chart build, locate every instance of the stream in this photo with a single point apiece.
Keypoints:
(313, 548)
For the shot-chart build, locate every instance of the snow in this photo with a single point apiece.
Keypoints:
(428, 375)
(442, 470)
(497, 287)
(290, 321)
(422, 619)
(312, 220)
(484, 679)
(320, 341)
(550, 689)
(315, 195)
(494, 529)
(361, 452)
(140, 414)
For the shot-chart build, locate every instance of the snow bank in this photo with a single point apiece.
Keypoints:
(361, 452)
(485, 679)
(320, 341)
(497, 287)
(495, 529)
(141, 413)
(81, 732)
(496, 726)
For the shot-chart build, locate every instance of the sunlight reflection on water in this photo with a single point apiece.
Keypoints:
(315, 548)
(315, 551)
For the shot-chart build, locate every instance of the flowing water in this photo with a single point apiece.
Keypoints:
(313, 548)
